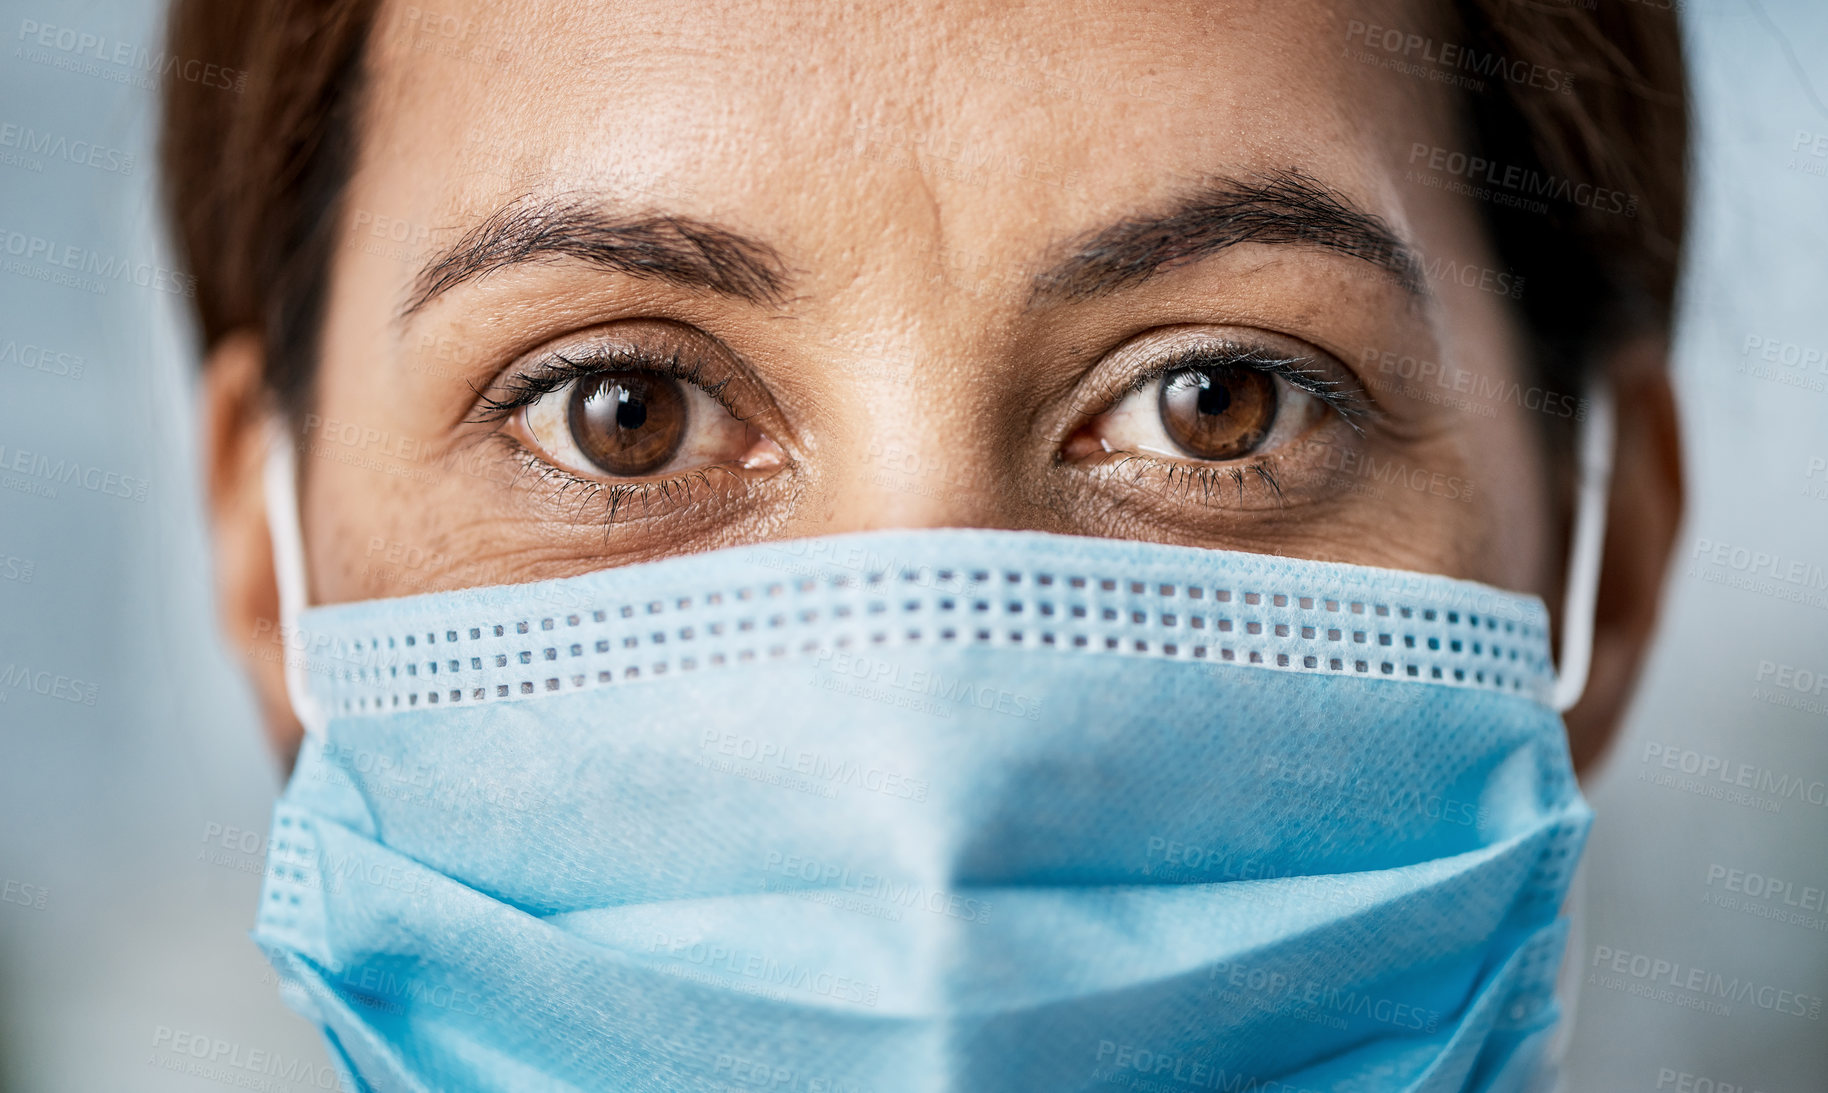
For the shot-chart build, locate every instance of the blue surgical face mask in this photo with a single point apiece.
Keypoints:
(929, 811)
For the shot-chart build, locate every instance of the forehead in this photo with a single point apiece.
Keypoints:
(966, 127)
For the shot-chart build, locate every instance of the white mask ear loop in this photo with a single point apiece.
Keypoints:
(1584, 552)
(281, 482)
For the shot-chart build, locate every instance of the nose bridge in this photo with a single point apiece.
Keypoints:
(914, 463)
(919, 429)
(919, 437)
(915, 468)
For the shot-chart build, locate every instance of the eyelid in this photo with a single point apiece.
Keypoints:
(1307, 371)
(686, 354)
(1349, 401)
(553, 370)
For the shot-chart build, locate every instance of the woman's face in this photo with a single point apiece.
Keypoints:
(665, 277)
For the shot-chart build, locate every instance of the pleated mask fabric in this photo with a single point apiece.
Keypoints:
(931, 810)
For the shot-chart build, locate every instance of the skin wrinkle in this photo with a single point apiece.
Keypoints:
(1287, 207)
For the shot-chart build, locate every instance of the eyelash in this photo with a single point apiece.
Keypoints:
(554, 372)
(1185, 477)
(1351, 403)
(610, 495)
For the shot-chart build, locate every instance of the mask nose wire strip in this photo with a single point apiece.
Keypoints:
(280, 479)
(1584, 551)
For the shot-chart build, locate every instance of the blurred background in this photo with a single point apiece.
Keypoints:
(135, 788)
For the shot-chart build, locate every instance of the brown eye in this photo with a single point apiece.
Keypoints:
(1218, 411)
(634, 403)
(627, 422)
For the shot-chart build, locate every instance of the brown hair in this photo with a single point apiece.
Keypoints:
(253, 181)
(1595, 275)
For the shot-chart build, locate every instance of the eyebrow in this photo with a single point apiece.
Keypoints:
(1286, 207)
(686, 252)
(1282, 207)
